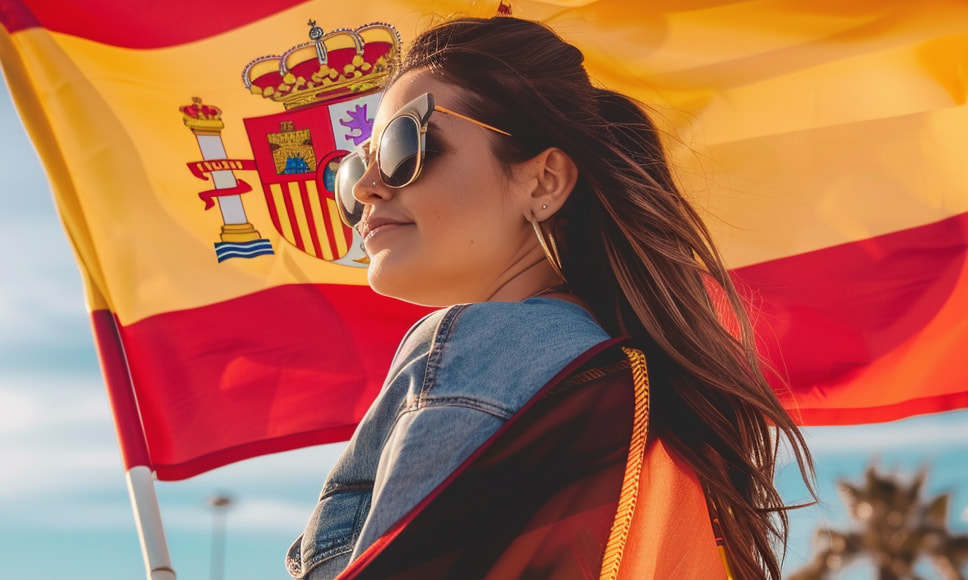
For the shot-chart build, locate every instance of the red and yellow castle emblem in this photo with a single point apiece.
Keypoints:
(330, 89)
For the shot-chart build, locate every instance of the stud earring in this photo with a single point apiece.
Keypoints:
(544, 206)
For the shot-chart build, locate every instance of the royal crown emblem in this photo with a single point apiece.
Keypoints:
(330, 88)
(331, 66)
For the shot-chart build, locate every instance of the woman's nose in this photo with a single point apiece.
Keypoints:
(369, 186)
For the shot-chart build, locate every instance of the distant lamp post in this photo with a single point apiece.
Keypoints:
(220, 504)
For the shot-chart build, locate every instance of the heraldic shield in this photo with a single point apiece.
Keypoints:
(330, 88)
(296, 154)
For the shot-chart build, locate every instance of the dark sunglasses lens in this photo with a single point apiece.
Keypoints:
(351, 169)
(399, 152)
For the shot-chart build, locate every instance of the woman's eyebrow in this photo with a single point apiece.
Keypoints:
(439, 135)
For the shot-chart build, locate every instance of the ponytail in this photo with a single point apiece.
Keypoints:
(713, 405)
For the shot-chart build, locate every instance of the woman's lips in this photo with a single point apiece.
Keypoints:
(373, 225)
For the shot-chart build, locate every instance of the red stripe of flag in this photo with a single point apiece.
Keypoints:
(273, 209)
(835, 312)
(277, 370)
(138, 25)
(124, 406)
(291, 213)
(331, 233)
(267, 372)
(311, 221)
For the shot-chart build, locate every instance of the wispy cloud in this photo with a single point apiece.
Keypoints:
(55, 429)
(930, 432)
(275, 492)
(19, 164)
(256, 514)
(41, 289)
(64, 469)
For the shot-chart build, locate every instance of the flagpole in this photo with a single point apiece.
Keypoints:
(134, 448)
(147, 516)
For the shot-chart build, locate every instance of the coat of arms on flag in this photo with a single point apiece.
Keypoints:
(330, 88)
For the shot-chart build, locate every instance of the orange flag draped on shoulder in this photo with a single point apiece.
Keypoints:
(190, 148)
(573, 486)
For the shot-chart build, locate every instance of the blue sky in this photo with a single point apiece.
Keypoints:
(63, 499)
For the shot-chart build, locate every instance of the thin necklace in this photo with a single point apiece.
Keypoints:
(551, 290)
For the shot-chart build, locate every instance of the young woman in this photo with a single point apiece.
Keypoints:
(539, 210)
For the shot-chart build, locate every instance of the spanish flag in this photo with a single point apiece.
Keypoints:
(190, 148)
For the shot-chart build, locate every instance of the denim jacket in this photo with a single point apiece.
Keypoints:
(457, 376)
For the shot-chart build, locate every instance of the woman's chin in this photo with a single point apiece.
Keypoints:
(385, 280)
(384, 284)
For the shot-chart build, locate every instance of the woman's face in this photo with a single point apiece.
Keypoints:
(459, 233)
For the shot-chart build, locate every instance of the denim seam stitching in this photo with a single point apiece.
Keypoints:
(337, 487)
(444, 330)
(455, 402)
(362, 514)
(359, 519)
(467, 402)
(318, 559)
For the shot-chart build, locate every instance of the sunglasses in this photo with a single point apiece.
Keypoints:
(399, 154)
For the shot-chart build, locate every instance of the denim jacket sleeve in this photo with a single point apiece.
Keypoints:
(457, 376)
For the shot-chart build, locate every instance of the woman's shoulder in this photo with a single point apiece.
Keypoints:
(484, 325)
(494, 351)
(502, 352)
(532, 320)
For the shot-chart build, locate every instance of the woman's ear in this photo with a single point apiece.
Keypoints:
(553, 175)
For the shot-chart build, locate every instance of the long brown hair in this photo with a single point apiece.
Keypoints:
(640, 256)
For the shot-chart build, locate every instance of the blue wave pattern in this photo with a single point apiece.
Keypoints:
(226, 250)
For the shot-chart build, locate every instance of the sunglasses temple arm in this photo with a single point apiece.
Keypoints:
(466, 118)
